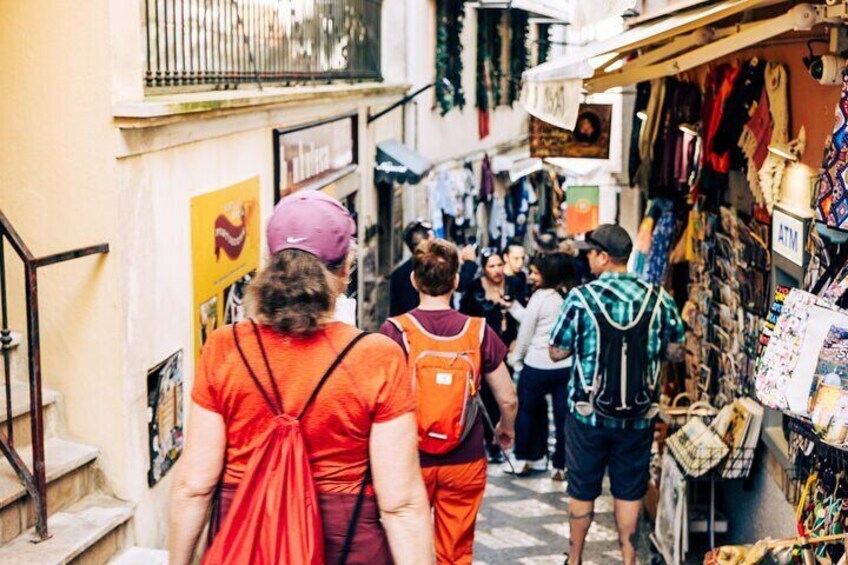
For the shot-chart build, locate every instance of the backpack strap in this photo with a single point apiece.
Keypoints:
(277, 410)
(354, 520)
(330, 371)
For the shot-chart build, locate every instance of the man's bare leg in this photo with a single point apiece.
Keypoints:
(580, 515)
(627, 522)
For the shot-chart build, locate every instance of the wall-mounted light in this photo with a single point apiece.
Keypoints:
(691, 129)
(783, 151)
(642, 115)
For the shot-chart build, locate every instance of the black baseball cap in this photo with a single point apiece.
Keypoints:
(609, 238)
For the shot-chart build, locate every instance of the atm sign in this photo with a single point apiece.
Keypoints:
(788, 237)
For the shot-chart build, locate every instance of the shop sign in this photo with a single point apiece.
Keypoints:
(554, 101)
(314, 155)
(788, 237)
(589, 139)
(225, 255)
(165, 416)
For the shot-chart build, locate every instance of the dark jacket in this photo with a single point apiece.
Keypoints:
(404, 298)
(474, 303)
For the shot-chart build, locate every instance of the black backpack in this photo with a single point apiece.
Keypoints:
(623, 387)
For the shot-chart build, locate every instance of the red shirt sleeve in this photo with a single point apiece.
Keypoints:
(395, 396)
(203, 391)
(494, 350)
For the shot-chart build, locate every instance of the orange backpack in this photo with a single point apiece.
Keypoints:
(275, 518)
(446, 374)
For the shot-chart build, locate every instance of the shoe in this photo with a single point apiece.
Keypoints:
(495, 454)
(515, 466)
(567, 557)
(539, 466)
(558, 475)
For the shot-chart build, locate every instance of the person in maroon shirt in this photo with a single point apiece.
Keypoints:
(456, 480)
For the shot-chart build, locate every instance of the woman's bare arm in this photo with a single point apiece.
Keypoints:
(401, 496)
(197, 475)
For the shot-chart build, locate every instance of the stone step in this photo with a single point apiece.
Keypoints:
(21, 423)
(89, 532)
(71, 475)
(141, 556)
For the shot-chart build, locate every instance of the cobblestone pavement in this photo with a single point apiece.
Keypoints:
(525, 520)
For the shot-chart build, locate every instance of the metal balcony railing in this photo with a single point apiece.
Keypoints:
(223, 43)
(34, 479)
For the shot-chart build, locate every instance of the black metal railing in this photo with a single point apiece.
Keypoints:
(34, 479)
(224, 43)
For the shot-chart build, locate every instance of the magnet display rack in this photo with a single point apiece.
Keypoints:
(730, 289)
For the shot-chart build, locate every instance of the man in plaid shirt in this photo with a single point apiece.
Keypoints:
(594, 441)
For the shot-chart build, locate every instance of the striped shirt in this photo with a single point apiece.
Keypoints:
(621, 295)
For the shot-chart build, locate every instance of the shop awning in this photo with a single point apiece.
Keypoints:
(668, 46)
(555, 9)
(398, 163)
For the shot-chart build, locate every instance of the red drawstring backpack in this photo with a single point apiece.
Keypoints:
(274, 518)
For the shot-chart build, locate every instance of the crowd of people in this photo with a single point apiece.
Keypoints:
(312, 442)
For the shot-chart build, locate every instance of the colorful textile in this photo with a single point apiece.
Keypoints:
(657, 265)
(620, 295)
(832, 197)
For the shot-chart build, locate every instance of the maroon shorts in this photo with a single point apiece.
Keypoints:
(370, 545)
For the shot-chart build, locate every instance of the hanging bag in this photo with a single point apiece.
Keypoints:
(274, 518)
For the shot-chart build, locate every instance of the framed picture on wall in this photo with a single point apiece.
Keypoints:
(590, 138)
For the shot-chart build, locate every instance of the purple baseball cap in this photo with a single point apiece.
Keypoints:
(313, 222)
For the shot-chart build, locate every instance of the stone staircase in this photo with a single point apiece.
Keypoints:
(87, 524)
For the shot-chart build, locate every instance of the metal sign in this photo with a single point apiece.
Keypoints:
(314, 155)
(788, 237)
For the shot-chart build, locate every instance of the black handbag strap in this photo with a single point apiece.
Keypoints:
(354, 520)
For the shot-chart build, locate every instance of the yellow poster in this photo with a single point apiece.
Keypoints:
(225, 255)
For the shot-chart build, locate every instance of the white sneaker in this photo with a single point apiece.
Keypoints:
(515, 466)
(540, 465)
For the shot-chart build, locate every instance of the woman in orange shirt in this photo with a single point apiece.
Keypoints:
(362, 417)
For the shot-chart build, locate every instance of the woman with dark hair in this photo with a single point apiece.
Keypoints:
(554, 274)
(293, 369)
(490, 296)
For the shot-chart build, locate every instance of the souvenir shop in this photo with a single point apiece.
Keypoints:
(740, 162)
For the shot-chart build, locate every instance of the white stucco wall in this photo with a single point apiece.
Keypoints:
(58, 187)
(455, 135)
(70, 177)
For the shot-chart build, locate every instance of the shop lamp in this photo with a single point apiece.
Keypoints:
(642, 115)
(783, 151)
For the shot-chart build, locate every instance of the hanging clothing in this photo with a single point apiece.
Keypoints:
(498, 223)
(716, 95)
(745, 92)
(649, 134)
(683, 107)
(756, 135)
(661, 241)
(832, 197)
(487, 180)
(643, 94)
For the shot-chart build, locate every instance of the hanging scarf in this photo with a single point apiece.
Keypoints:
(832, 196)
